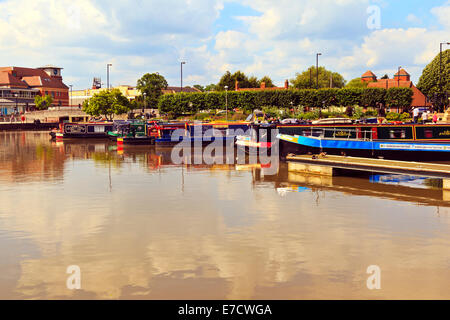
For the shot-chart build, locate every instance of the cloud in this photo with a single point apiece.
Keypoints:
(139, 36)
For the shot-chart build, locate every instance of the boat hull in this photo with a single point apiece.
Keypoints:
(373, 149)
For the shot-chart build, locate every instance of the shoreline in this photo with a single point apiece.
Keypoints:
(28, 126)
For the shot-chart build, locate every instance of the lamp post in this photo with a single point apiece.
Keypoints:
(317, 69)
(398, 76)
(107, 74)
(440, 69)
(16, 95)
(144, 104)
(182, 62)
(71, 86)
(226, 102)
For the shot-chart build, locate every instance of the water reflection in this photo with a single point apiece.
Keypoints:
(140, 227)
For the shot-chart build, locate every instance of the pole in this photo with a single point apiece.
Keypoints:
(107, 75)
(398, 77)
(317, 69)
(182, 62)
(71, 86)
(226, 103)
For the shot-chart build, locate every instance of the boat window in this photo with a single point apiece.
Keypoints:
(397, 134)
(91, 129)
(99, 129)
(428, 133)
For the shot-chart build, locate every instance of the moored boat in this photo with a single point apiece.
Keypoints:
(354, 142)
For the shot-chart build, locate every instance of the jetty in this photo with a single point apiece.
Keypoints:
(330, 165)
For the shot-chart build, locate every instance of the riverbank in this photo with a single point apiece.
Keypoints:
(28, 126)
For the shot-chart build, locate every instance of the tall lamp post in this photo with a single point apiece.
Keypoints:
(71, 86)
(317, 69)
(398, 77)
(144, 104)
(181, 64)
(440, 69)
(226, 103)
(16, 95)
(107, 74)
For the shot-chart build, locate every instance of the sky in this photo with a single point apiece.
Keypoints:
(258, 37)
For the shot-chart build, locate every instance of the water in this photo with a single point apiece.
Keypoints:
(140, 227)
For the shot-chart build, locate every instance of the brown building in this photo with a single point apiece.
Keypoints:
(19, 86)
(401, 79)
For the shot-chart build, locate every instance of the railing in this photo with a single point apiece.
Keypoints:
(340, 133)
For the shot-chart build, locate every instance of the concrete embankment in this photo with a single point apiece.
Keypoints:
(28, 126)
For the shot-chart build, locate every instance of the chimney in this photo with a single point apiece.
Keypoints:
(263, 85)
(236, 86)
(286, 84)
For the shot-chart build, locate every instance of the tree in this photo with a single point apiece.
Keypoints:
(210, 87)
(356, 83)
(307, 79)
(267, 81)
(429, 80)
(199, 87)
(107, 103)
(385, 77)
(151, 86)
(43, 103)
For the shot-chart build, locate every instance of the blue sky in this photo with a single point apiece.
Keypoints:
(259, 37)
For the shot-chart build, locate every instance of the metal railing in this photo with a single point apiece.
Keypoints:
(340, 133)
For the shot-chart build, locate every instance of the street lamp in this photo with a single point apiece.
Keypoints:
(226, 103)
(16, 95)
(317, 69)
(182, 62)
(107, 74)
(440, 67)
(71, 86)
(144, 104)
(398, 76)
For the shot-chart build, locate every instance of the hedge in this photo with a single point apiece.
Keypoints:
(191, 103)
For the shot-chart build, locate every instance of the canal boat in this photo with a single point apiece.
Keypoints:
(362, 143)
(82, 130)
(204, 133)
(128, 129)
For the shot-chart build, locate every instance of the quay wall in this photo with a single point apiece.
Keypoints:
(28, 126)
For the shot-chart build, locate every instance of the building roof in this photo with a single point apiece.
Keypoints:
(402, 72)
(7, 79)
(390, 83)
(49, 66)
(30, 77)
(368, 74)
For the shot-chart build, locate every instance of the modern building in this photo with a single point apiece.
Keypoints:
(401, 79)
(19, 86)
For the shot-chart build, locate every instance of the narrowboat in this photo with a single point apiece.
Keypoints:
(364, 143)
(170, 134)
(82, 130)
(128, 129)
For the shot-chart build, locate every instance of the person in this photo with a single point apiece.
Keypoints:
(22, 118)
(425, 116)
(435, 117)
(416, 114)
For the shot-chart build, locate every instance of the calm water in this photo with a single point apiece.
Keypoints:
(140, 227)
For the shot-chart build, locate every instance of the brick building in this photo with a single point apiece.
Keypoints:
(19, 86)
(401, 79)
(262, 87)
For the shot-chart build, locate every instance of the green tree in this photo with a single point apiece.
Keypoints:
(429, 80)
(267, 81)
(210, 87)
(356, 83)
(43, 103)
(399, 98)
(151, 86)
(199, 87)
(107, 103)
(308, 79)
(385, 77)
